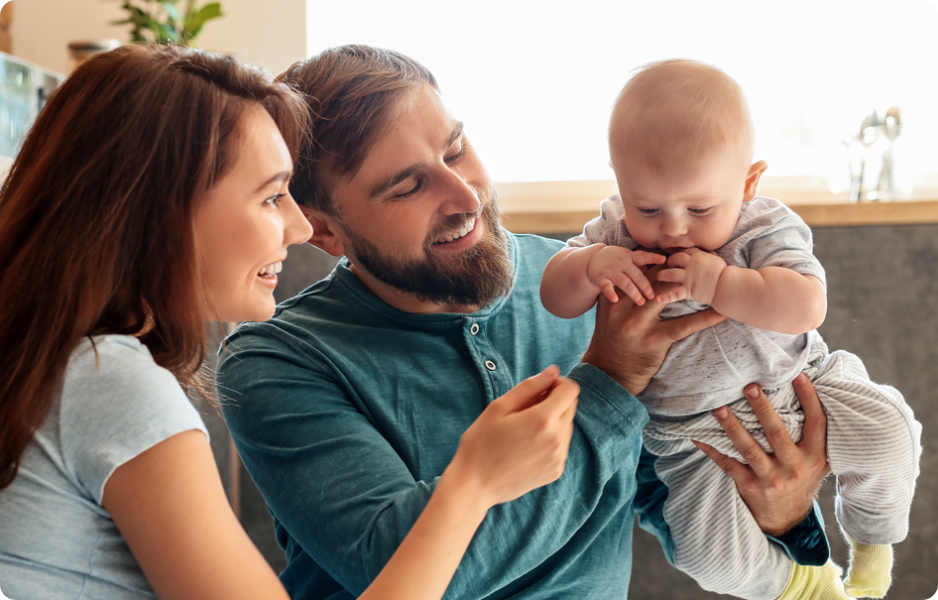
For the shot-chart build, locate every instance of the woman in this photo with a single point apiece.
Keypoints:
(150, 196)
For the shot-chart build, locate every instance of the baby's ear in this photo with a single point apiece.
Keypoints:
(752, 179)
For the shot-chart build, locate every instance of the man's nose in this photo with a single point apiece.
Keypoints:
(459, 196)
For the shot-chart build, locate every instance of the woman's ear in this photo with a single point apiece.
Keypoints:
(752, 180)
(324, 231)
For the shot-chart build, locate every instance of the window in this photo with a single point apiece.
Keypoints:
(534, 81)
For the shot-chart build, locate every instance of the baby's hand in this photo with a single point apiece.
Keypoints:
(697, 272)
(614, 266)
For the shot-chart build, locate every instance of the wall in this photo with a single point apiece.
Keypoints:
(273, 37)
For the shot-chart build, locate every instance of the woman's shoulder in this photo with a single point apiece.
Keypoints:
(116, 402)
(108, 365)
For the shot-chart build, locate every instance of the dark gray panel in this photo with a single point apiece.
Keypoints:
(883, 298)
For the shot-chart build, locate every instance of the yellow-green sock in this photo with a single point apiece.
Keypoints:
(814, 583)
(870, 569)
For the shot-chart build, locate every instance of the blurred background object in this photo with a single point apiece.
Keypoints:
(165, 21)
(24, 89)
(871, 157)
(81, 50)
(6, 19)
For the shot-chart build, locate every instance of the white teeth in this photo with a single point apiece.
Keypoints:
(271, 269)
(466, 228)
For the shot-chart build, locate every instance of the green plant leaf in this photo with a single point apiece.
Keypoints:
(210, 11)
(172, 11)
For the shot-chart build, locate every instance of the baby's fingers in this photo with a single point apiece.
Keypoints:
(629, 288)
(678, 293)
(608, 289)
(641, 258)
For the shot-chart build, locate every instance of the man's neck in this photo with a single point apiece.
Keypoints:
(406, 301)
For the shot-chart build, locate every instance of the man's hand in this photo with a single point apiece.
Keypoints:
(614, 266)
(630, 342)
(697, 273)
(778, 488)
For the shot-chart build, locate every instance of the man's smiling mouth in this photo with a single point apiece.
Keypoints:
(454, 235)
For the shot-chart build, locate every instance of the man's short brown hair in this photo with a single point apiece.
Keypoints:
(351, 92)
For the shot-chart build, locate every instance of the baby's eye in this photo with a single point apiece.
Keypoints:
(648, 211)
(698, 211)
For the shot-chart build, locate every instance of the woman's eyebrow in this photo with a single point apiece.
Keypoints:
(278, 178)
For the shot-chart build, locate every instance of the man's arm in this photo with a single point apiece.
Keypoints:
(778, 488)
(345, 495)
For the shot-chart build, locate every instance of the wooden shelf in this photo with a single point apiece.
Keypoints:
(565, 206)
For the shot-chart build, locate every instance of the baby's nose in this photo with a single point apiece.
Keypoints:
(673, 227)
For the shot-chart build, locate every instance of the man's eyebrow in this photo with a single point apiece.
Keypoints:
(407, 173)
(457, 133)
(279, 177)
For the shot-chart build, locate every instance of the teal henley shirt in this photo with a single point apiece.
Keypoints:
(346, 411)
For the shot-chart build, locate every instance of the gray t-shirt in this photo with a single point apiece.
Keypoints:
(710, 368)
(56, 540)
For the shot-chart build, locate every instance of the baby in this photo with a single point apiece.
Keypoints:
(681, 143)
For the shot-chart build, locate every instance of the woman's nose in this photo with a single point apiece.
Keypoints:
(296, 228)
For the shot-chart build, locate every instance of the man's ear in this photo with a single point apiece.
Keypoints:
(752, 180)
(324, 231)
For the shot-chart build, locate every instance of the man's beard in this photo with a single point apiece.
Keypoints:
(475, 277)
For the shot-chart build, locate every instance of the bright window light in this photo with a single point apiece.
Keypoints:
(534, 81)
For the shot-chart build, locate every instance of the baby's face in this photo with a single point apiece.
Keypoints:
(681, 210)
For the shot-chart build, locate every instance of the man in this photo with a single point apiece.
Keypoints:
(349, 404)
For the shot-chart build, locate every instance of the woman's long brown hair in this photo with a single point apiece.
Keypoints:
(96, 217)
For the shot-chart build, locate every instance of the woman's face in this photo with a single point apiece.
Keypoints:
(244, 224)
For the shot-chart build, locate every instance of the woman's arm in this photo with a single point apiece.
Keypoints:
(170, 507)
(512, 448)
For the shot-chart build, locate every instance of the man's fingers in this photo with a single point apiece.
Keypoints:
(746, 445)
(775, 432)
(814, 434)
(729, 465)
(681, 327)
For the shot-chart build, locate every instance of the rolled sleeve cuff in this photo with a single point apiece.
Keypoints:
(806, 543)
(613, 400)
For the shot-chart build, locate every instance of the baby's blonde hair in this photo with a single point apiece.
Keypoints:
(675, 111)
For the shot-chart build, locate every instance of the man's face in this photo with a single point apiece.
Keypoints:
(421, 215)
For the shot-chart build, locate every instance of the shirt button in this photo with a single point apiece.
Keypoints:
(489, 365)
(474, 329)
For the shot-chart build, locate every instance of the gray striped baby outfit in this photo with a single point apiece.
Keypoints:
(873, 441)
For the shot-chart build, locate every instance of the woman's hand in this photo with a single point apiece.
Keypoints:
(520, 441)
(778, 488)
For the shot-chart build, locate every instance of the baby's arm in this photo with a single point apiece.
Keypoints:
(574, 277)
(771, 298)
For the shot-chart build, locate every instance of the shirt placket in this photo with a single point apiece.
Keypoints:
(489, 363)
